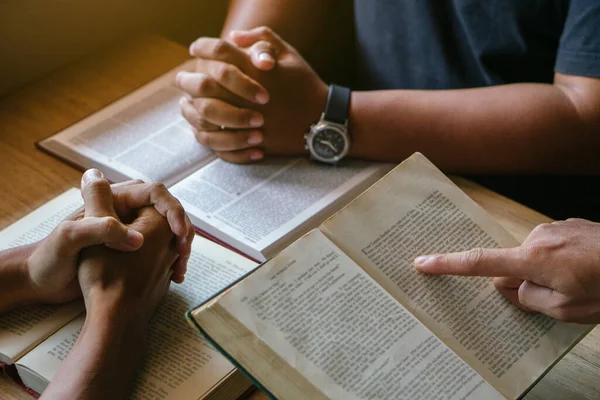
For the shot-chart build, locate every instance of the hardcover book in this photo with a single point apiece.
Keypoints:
(343, 314)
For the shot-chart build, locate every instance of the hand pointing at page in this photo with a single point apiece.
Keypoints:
(556, 271)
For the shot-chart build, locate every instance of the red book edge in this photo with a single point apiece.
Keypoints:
(11, 372)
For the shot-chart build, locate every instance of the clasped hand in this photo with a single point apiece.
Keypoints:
(125, 218)
(252, 95)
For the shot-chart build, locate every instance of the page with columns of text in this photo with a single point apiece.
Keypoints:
(417, 210)
(330, 321)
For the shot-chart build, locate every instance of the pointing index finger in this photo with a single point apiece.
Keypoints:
(476, 262)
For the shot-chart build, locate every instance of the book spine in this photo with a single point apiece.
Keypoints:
(252, 379)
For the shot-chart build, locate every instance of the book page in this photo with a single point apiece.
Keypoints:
(416, 210)
(331, 322)
(22, 329)
(254, 206)
(179, 364)
(142, 136)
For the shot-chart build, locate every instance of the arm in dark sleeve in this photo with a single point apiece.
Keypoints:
(579, 51)
(516, 128)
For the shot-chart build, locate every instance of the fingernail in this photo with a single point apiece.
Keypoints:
(255, 156)
(234, 33)
(191, 49)
(178, 78)
(256, 120)
(183, 101)
(265, 56)
(134, 239)
(262, 97)
(422, 262)
(254, 138)
(90, 175)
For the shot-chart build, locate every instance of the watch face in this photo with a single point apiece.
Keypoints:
(328, 143)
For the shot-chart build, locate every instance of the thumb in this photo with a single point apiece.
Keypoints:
(90, 231)
(476, 262)
(97, 194)
(265, 45)
(541, 299)
(509, 288)
(263, 55)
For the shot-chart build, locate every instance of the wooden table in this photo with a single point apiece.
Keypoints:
(29, 178)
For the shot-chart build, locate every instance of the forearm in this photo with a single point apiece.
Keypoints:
(297, 21)
(15, 288)
(103, 361)
(504, 129)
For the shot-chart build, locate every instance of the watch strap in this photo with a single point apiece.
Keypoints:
(338, 104)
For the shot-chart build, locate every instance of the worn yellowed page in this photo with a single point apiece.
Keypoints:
(313, 307)
(179, 364)
(416, 210)
(23, 329)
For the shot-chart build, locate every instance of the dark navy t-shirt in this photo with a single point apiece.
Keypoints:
(451, 44)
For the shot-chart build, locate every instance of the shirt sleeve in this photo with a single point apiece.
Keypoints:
(579, 49)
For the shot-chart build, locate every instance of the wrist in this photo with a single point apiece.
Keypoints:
(362, 142)
(16, 288)
(115, 326)
(113, 306)
(112, 326)
(103, 360)
(354, 151)
(313, 109)
(320, 101)
(315, 106)
(328, 140)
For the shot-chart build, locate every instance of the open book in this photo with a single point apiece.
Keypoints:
(257, 209)
(342, 313)
(179, 365)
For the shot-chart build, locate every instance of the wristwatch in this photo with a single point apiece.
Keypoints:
(328, 140)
